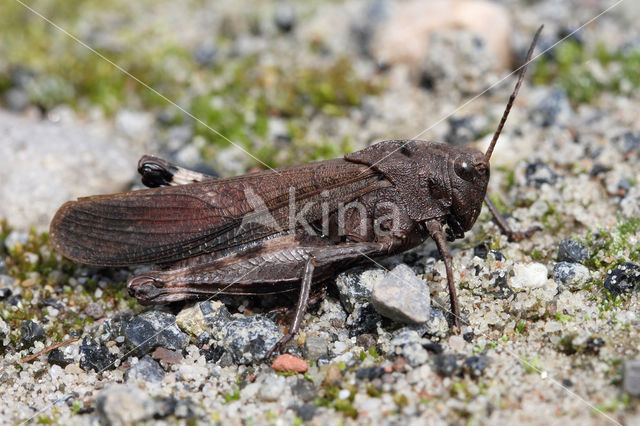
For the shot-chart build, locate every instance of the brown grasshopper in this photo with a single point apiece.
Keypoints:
(238, 236)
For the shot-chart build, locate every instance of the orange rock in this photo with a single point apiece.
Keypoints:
(287, 362)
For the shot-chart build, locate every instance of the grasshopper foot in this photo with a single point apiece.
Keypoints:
(278, 347)
(514, 236)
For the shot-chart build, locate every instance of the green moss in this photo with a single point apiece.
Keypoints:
(232, 396)
(551, 219)
(610, 248)
(571, 69)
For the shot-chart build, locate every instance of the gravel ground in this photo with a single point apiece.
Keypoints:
(550, 324)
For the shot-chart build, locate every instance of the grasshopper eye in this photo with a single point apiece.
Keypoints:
(464, 169)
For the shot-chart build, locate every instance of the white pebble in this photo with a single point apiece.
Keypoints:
(529, 276)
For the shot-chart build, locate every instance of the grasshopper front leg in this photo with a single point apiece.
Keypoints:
(504, 226)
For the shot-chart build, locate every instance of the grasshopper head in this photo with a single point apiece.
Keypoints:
(469, 175)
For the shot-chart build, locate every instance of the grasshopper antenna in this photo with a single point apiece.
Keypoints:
(492, 145)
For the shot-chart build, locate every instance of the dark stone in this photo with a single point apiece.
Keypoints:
(598, 169)
(572, 251)
(305, 411)
(31, 332)
(95, 356)
(14, 299)
(552, 109)
(248, 339)
(567, 382)
(499, 287)
(369, 373)
(217, 317)
(627, 142)
(594, 344)
(476, 364)
(56, 357)
(205, 56)
(623, 279)
(147, 369)
(538, 174)
(468, 337)
(465, 129)
(436, 348)
(154, 328)
(165, 406)
(5, 293)
(446, 364)
(304, 389)
(54, 303)
(3, 263)
(213, 353)
(285, 17)
(482, 250)
(365, 321)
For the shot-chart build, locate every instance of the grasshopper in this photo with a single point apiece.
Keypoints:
(239, 235)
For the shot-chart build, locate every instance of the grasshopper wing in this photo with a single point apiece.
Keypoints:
(162, 225)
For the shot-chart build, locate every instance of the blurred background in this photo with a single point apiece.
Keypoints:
(289, 82)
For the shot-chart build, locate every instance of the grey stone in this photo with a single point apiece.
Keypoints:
(4, 330)
(31, 332)
(446, 364)
(476, 364)
(316, 346)
(572, 251)
(124, 404)
(304, 389)
(249, 339)
(437, 325)
(553, 109)
(538, 174)
(94, 310)
(146, 369)
(16, 100)
(44, 164)
(573, 275)
(155, 328)
(631, 377)
(95, 356)
(415, 354)
(402, 296)
(355, 286)
(215, 314)
(272, 388)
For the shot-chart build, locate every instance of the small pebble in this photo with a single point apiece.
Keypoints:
(529, 276)
(123, 404)
(476, 364)
(572, 251)
(573, 275)
(369, 373)
(316, 346)
(94, 310)
(146, 369)
(287, 362)
(446, 364)
(95, 356)
(333, 376)
(365, 320)
(538, 174)
(249, 339)
(304, 389)
(272, 388)
(402, 296)
(56, 357)
(624, 279)
(154, 328)
(631, 377)
(31, 332)
(168, 356)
